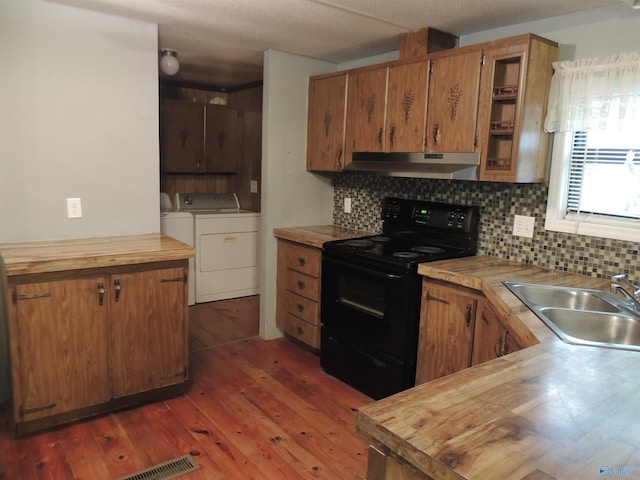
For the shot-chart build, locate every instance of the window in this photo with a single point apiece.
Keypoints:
(594, 187)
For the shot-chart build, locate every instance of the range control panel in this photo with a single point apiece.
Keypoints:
(402, 211)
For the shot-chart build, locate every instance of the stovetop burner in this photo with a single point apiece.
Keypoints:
(427, 249)
(359, 243)
(406, 255)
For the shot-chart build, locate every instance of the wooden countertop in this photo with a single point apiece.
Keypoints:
(52, 256)
(550, 411)
(317, 235)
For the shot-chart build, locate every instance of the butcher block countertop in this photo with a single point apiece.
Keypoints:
(25, 258)
(549, 411)
(317, 235)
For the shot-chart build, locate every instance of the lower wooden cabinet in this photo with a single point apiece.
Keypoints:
(458, 329)
(298, 291)
(88, 341)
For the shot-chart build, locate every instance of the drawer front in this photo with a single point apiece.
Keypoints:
(303, 331)
(301, 307)
(303, 259)
(308, 287)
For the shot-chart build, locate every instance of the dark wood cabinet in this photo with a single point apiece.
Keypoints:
(198, 138)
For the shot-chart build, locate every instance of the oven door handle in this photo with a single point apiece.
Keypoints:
(368, 271)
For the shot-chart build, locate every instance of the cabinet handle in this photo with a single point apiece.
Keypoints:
(502, 347)
(302, 261)
(436, 299)
(100, 293)
(436, 133)
(468, 314)
(380, 133)
(392, 135)
(339, 158)
(172, 279)
(301, 284)
(484, 319)
(300, 330)
(300, 307)
(116, 286)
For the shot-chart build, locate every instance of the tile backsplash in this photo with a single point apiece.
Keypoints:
(498, 202)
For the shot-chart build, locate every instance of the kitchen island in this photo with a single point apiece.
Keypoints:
(549, 411)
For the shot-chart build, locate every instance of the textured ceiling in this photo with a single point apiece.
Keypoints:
(220, 43)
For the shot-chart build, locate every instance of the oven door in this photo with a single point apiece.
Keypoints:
(370, 305)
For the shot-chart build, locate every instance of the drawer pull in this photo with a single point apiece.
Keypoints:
(300, 330)
(32, 296)
(300, 307)
(302, 261)
(100, 293)
(301, 284)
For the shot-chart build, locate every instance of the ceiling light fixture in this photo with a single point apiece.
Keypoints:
(169, 63)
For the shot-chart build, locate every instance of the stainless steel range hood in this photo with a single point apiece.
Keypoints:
(455, 166)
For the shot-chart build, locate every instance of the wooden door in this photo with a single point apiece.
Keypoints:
(366, 100)
(62, 343)
(325, 127)
(491, 338)
(182, 137)
(407, 107)
(149, 330)
(446, 332)
(453, 102)
(223, 139)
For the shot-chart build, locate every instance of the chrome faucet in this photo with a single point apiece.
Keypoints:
(633, 298)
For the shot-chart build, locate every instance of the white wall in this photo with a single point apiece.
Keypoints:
(78, 118)
(592, 33)
(291, 196)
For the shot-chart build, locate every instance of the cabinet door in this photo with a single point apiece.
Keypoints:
(453, 102)
(148, 330)
(182, 137)
(446, 332)
(491, 337)
(62, 342)
(513, 99)
(223, 139)
(366, 99)
(325, 127)
(407, 107)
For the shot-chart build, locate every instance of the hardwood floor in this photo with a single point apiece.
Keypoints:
(256, 410)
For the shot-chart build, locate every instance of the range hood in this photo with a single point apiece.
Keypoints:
(454, 166)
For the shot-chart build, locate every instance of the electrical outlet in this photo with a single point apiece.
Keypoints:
(347, 205)
(74, 208)
(523, 226)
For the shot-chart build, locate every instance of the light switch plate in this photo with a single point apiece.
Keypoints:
(74, 208)
(347, 205)
(523, 226)
(253, 186)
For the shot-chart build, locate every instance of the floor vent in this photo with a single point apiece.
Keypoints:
(167, 470)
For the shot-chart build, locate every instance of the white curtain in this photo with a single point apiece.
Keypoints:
(595, 94)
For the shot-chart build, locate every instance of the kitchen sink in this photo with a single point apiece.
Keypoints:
(582, 316)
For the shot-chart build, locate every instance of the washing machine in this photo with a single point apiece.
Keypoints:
(179, 225)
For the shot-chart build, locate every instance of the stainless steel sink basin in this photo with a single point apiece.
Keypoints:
(582, 316)
(608, 328)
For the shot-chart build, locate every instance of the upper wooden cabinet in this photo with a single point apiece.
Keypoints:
(198, 138)
(406, 107)
(453, 102)
(325, 128)
(366, 104)
(488, 98)
(513, 99)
